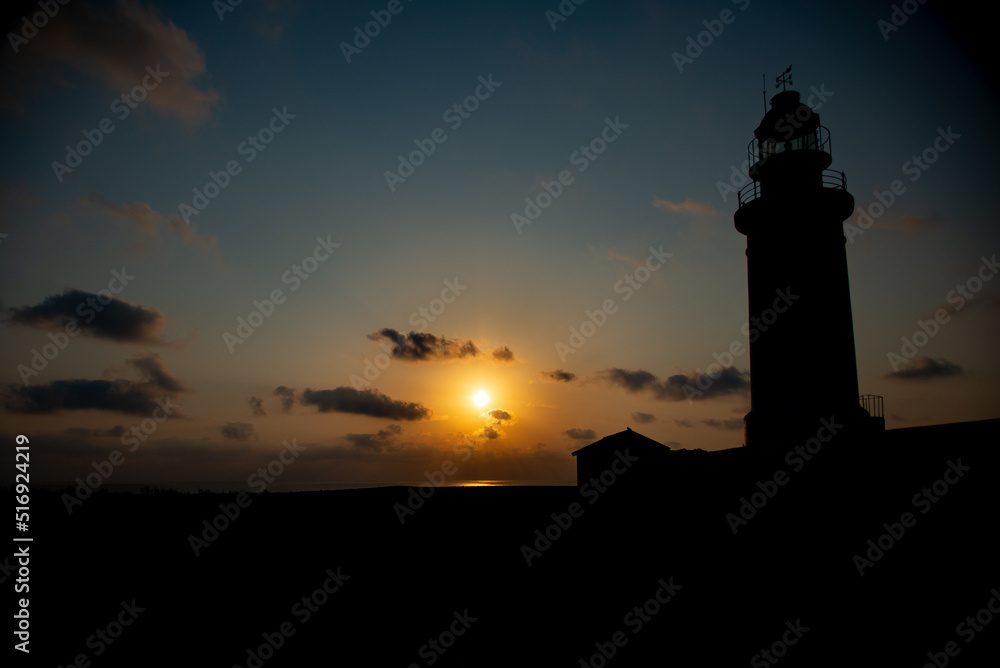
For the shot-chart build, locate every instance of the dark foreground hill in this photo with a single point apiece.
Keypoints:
(865, 553)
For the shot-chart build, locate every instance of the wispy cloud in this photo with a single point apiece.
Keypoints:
(114, 43)
(689, 206)
(926, 368)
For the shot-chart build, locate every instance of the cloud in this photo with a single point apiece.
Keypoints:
(581, 434)
(691, 206)
(257, 407)
(643, 418)
(691, 386)
(152, 225)
(558, 375)
(489, 433)
(631, 381)
(363, 402)
(503, 354)
(287, 395)
(114, 43)
(682, 423)
(501, 416)
(926, 368)
(100, 315)
(126, 396)
(238, 431)
(730, 424)
(424, 346)
(378, 442)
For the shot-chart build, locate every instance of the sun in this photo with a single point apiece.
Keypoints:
(481, 398)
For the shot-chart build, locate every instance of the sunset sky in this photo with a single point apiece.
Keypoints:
(406, 290)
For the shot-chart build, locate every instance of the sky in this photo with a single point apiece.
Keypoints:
(232, 228)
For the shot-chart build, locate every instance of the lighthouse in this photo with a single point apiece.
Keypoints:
(803, 369)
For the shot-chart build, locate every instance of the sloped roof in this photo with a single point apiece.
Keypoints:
(623, 439)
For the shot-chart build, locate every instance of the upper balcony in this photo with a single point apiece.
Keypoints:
(830, 178)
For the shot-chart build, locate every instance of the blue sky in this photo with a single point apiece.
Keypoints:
(323, 175)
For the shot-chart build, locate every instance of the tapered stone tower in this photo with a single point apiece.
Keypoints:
(803, 368)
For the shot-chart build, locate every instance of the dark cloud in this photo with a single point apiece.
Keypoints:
(501, 416)
(238, 431)
(363, 402)
(643, 418)
(378, 442)
(695, 387)
(682, 423)
(503, 354)
(731, 424)
(287, 395)
(126, 396)
(679, 387)
(581, 434)
(632, 381)
(100, 315)
(424, 346)
(152, 370)
(489, 433)
(114, 43)
(558, 376)
(257, 406)
(926, 368)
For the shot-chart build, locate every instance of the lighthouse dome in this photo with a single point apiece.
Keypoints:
(787, 119)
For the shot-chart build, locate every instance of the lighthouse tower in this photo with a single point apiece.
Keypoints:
(803, 368)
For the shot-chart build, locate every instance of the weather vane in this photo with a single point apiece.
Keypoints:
(784, 80)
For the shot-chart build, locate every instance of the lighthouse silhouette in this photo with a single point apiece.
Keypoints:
(803, 368)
